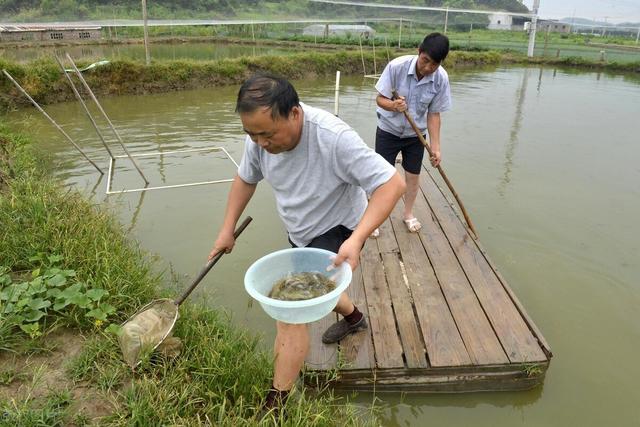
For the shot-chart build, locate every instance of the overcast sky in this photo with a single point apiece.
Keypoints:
(616, 11)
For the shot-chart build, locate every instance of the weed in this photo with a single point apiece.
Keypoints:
(532, 370)
(221, 376)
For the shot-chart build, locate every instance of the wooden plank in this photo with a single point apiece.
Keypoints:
(321, 356)
(388, 350)
(468, 378)
(516, 338)
(478, 336)
(356, 350)
(442, 340)
(410, 335)
(435, 383)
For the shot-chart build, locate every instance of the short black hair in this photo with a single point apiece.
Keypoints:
(435, 45)
(267, 90)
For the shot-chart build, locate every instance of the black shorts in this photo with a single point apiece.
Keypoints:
(331, 240)
(388, 146)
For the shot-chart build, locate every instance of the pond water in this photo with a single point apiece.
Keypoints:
(159, 51)
(545, 160)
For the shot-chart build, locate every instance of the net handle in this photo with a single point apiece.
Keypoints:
(211, 263)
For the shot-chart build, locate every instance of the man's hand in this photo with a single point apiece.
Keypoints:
(399, 104)
(224, 242)
(435, 159)
(350, 252)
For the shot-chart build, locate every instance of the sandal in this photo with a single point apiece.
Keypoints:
(413, 225)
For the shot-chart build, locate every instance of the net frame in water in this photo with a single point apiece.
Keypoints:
(112, 162)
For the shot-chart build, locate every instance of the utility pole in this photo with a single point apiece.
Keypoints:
(532, 29)
(146, 32)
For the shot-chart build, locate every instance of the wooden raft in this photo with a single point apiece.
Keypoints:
(441, 318)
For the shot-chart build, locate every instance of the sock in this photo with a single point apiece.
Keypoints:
(354, 317)
(276, 398)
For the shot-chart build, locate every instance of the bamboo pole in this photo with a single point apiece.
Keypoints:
(337, 95)
(364, 68)
(444, 176)
(53, 122)
(84, 105)
(146, 33)
(115, 132)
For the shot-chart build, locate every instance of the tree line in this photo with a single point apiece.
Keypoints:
(17, 10)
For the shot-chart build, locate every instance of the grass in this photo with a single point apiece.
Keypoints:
(44, 82)
(219, 378)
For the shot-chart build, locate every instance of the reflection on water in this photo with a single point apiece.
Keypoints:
(551, 182)
(513, 136)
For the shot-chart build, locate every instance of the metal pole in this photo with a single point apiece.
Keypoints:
(400, 33)
(446, 19)
(146, 32)
(35, 104)
(638, 36)
(337, 107)
(84, 106)
(253, 35)
(115, 132)
(532, 30)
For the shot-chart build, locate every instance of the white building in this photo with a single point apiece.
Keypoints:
(500, 21)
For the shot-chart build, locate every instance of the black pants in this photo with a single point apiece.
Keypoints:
(331, 240)
(388, 146)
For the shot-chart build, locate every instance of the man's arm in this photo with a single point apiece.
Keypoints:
(239, 196)
(433, 127)
(381, 203)
(396, 105)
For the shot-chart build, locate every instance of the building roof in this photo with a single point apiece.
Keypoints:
(33, 28)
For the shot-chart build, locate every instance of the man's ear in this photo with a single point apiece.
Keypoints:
(295, 112)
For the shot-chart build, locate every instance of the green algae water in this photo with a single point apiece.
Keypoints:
(545, 160)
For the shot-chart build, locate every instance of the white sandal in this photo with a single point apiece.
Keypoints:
(413, 225)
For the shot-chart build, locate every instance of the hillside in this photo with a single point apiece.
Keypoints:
(43, 10)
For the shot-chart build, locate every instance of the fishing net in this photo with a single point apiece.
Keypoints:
(149, 329)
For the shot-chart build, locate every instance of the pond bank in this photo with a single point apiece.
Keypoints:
(47, 372)
(44, 82)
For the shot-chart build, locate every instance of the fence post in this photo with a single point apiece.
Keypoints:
(446, 19)
(146, 33)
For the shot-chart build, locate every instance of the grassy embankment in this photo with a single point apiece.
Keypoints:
(43, 80)
(67, 270)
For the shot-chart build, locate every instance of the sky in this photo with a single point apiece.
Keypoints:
(615, 11)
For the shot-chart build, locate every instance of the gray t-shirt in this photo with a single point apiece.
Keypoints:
(324, 181)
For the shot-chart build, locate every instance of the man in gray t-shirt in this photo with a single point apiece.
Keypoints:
(321, 172)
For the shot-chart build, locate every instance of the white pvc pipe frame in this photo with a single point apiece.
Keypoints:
(160, 153)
